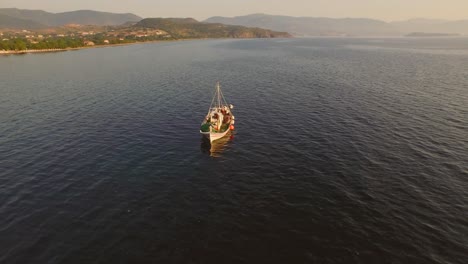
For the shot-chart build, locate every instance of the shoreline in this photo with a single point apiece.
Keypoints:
(22, 52)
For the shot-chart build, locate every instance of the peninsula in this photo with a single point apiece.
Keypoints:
(34, 36)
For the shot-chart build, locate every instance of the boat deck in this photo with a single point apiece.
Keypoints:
(206, 128)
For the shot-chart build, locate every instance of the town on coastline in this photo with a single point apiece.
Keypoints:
(73, 36)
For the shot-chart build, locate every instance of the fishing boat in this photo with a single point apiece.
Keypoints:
(219, 120)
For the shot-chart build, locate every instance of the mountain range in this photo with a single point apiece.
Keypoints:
(317, 26)
(14, 18)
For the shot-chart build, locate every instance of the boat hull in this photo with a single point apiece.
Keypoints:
(212, 136)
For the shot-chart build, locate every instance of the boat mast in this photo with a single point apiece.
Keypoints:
(219, 94)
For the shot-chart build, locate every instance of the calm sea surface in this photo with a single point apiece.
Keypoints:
(345, 151)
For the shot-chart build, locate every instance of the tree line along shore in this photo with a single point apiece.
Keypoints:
(23, 44)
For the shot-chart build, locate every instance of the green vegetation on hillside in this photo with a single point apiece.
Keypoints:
(49, 43)
(190, 28)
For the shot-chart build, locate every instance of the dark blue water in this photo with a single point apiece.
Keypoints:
(345, 151)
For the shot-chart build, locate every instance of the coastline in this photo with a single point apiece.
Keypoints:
(22, 52)
(33, 51)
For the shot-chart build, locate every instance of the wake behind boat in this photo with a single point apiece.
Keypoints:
(219, 119)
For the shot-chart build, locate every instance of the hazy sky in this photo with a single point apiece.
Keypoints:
(200, 9)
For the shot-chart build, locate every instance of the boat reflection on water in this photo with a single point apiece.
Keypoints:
(217, 147)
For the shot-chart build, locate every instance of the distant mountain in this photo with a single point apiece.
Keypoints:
(311, 26)
(46, 19)
(36, 16)
(191, 28)
(460, 26)
(18, 23)
(89, 17)
(316, 26)
(432, 26)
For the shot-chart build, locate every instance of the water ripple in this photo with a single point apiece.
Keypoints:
(345, 151)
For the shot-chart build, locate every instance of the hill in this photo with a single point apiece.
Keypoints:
(83, 17)
(191, 28)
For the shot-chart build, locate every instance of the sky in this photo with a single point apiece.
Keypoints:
(388, 10)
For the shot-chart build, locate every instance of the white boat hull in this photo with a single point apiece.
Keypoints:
(212, 136)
